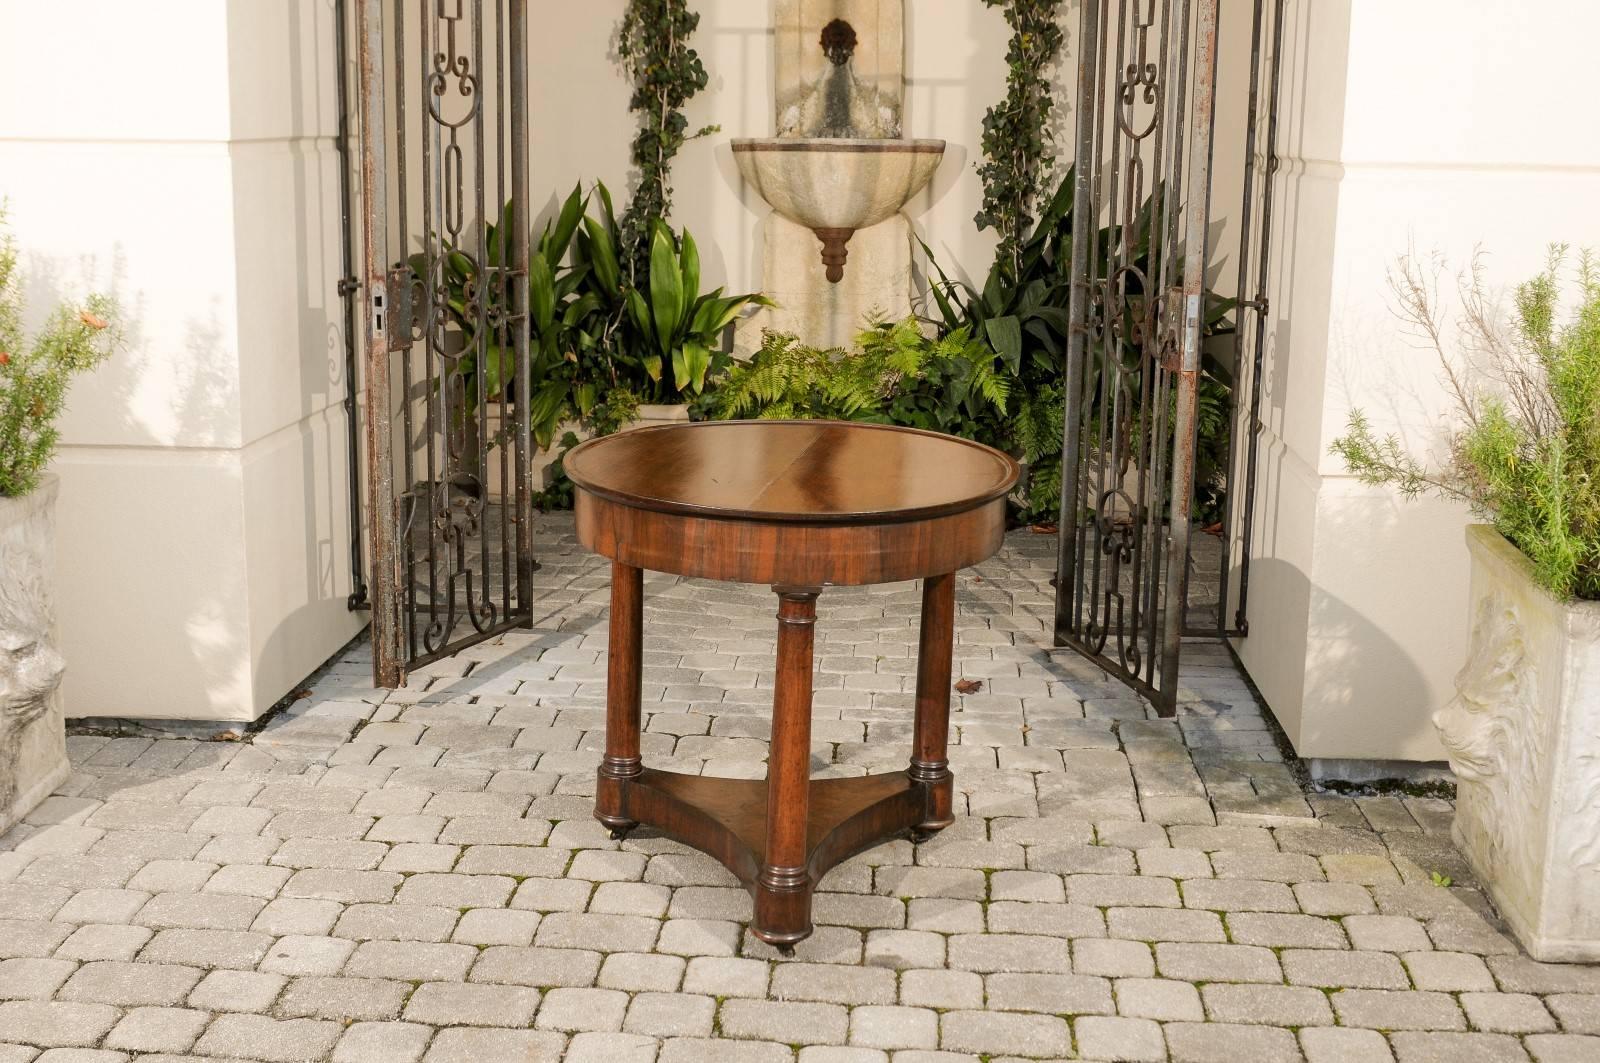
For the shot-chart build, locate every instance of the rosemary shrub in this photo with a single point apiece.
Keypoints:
(35, 375)
(666, 73)
(1525, 453)
(1018, 141)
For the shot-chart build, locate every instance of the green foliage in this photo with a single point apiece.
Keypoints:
(895, 375)
(680, 328)
(570, 374)
(1022, 313)
(1526, 452)
(1018, 142)
(35, 375)
(661, 334)
(598, 344)
(666, 73)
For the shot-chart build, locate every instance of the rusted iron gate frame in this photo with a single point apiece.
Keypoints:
(405, 316)
(1255, 244)
(1119, 309)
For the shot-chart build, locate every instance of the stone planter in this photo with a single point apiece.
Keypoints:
(33, 744)
(1523, 736)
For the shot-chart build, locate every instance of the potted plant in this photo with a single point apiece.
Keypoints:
(1523, 733)
(34, 376)
(663, 334)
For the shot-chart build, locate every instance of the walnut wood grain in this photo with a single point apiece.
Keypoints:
(799, 506)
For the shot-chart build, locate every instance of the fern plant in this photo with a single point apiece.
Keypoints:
(895, 375)
(1526, 451)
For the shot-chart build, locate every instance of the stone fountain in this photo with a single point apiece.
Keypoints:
(838, 174)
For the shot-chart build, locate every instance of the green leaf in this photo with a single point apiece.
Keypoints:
(1005, 335)
(541, 294)
(603, 258)
(666, 289)
(640, 313)
(554, 247)
(691, 270)
(690, 367)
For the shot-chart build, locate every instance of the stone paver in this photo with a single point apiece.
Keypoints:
(414, 876)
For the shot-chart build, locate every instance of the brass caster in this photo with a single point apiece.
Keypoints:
(786, 951)
(619, 833)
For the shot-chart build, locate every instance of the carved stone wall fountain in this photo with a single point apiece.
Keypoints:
(838, 174)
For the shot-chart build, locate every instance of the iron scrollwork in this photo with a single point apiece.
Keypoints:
(1129, 163)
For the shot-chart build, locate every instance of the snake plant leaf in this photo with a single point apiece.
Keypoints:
(640, 313)
(542, 294)
(607, 210)
(587, 396)
(554, 245)
(666, 289)
(1005, 334)
(544, 412)
(568, 282)
(995, 295)
(602, 255)
(580, 308)
(494, 235)
(706, 311)
(690, 260)
(493, 363)
(690, 365)
(460, 265)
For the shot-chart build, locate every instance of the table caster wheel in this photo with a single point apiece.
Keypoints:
(920, 836)
(619, 833)
(786, 951)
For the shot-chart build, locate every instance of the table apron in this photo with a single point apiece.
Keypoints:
(789, 554)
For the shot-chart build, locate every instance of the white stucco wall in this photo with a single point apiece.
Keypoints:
(203, 523)
(1432, 125)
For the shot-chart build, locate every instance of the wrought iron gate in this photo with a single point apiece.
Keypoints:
(1146, 84)
(443, 106)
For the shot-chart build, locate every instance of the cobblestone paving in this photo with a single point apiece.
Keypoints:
(393, 877)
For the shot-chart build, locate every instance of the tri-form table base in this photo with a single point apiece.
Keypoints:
(727, 818)
(780, 835)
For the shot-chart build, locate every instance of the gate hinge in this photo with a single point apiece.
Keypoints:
(1180, 346)
(1191, 333)
(398, 287)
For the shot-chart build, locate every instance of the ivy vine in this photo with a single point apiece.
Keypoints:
(666, 73)
(1018, 140)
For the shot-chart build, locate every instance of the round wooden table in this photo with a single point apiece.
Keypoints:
(798, 505)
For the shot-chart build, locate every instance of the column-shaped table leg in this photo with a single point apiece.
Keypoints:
(783, 894)
(930, 762)
(624, 662)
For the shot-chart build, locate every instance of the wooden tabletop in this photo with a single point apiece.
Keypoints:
(810, 472)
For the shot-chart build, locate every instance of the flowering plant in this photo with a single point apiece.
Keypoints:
(35, 374)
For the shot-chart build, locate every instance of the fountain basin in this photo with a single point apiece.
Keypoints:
(835, 186)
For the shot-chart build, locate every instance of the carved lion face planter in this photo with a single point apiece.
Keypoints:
(33, 754)
(1523, 735)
